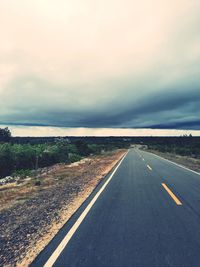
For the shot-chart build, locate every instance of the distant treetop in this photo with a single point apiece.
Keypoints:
(5, 135)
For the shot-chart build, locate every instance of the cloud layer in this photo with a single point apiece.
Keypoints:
(132, 64)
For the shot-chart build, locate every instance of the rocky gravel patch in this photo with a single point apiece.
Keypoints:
(20, 223)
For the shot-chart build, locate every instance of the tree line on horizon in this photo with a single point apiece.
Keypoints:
(15, 157)
(18, 154)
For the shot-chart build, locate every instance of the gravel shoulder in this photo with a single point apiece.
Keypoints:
(30, 215)
(189, 162)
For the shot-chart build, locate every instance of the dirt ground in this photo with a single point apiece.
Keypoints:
(31, 215)
(191, 163)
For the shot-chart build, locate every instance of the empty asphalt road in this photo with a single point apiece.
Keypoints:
(145, 214)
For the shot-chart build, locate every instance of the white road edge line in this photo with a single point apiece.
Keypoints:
(175, 163)
(73, 229)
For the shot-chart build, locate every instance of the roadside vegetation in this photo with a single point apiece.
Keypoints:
(24, 156)
(42, 183)
(183, 145)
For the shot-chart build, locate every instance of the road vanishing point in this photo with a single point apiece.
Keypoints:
(145, 213)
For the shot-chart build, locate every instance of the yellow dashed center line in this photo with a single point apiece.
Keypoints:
(172, 194)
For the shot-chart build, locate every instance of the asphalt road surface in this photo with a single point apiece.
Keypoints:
(145, 214)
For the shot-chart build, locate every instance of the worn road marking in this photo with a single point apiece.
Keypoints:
(71, 232)
(171, 194)
(149, 167)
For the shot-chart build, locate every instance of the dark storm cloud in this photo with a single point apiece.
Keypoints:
(194, 125)
(166, 108)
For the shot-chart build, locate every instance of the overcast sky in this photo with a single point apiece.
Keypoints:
(100, 64)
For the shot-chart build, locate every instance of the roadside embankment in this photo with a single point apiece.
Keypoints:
(32, 213)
